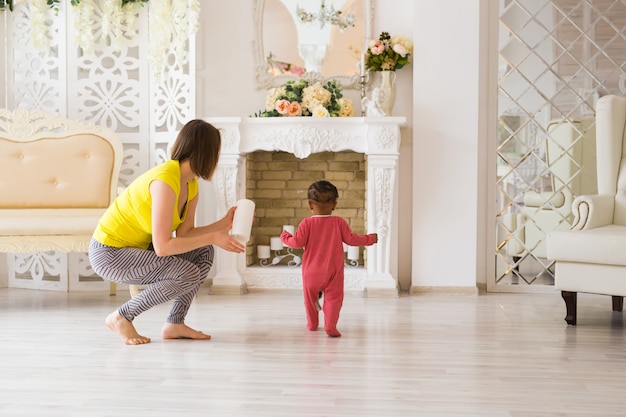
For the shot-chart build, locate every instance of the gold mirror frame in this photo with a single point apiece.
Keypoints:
(265, 80)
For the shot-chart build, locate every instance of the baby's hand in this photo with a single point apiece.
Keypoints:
(375, 237)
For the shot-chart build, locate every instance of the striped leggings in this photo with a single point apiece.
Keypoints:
(176, 277)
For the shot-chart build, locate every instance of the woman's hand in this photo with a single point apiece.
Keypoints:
(228, 243)
(226, 222)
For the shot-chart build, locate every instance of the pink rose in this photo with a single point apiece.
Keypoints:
(295, 109)
(282, 106)
(377, 47)
(297, 70)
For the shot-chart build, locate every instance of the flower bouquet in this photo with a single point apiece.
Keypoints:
(387, 53)
(300, 98)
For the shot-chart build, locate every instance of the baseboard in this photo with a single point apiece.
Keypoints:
(380, 293)
(228, 289)
(474, 290)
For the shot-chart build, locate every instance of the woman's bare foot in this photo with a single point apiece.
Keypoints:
(182, 331)
(125, 329)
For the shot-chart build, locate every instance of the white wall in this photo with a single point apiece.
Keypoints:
(396, 17)
(447, 243)
(446, 235)
(226, 85)
(3, 79)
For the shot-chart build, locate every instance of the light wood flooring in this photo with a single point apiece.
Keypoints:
(422, 355)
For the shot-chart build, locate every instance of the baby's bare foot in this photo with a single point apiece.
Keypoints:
(125, 329)
(182, 331)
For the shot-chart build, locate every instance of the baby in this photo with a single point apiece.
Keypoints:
(322, 236)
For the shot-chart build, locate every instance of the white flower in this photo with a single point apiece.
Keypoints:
(180, 31)
(38, 27)
(400, 50)
(130, 15)
(347, 108)
(160, 32)
(170, 25)
(320, 111)
(113, 21)
(84, 22)
(272, 97)
(403, 42)
(194, 16)
(314, 96)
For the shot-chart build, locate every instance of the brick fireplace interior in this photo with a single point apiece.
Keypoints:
(278, 181)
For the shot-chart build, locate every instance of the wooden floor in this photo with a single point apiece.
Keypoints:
(426, 355)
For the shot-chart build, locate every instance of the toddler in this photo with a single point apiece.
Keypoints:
(322, 236)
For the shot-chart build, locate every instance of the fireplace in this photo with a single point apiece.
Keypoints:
(376, 137)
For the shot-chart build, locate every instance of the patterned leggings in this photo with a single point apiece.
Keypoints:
(176, 277)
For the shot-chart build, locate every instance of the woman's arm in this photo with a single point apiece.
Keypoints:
(188, 237)
(187, 230)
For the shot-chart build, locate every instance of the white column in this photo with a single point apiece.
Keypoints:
(382, 209)
(229, 183)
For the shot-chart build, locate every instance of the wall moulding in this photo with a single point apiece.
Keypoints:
(376, 137)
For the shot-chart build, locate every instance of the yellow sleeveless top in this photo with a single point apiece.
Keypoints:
(128, 221)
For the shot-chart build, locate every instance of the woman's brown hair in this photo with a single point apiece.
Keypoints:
(200, 143)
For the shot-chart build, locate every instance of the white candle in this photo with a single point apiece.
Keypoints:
(363, 59)
(242, 222)
(263, 251)
(366, 45)
(345, 247)
(353, 253)
(276, 243)
(289, 228)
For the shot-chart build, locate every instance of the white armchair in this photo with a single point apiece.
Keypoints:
(570, 148)
(590, 257)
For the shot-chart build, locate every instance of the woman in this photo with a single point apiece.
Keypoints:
(148, 236)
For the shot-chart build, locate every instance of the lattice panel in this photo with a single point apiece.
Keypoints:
(45, 270)
(111, 86)
(37, 76)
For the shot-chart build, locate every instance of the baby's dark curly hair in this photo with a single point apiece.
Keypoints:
(323, 192)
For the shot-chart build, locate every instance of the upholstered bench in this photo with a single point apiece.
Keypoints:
(58, 178)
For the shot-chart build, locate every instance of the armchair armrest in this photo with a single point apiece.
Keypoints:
(591, 211)
(544, 199)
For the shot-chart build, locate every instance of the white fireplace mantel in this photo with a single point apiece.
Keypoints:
(377, 137)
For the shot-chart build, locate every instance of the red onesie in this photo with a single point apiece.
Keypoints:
(323, 264)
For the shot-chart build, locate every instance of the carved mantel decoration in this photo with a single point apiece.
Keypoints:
(376, 137)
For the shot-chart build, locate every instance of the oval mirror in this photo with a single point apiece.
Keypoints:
(316, 40)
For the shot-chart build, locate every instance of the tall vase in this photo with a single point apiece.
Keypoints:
(387, 92)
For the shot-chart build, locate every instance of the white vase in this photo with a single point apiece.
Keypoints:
(386, 94)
